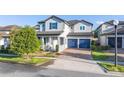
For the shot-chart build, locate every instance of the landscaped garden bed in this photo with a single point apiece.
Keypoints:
(111, 67)
(44, 54)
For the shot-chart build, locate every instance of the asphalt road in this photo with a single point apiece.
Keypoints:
(17, 70)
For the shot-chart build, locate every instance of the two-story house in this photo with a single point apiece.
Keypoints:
(106, 34)
(55, 31)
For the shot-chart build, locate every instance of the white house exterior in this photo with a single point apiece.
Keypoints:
(4, 34)
(55, 31)
(106, 34)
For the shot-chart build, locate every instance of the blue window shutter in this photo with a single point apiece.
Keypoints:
(56, 25)
(50, 26)
(83, 27)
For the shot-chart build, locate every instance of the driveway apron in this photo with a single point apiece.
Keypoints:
(76, 60)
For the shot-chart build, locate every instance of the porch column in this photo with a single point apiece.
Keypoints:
(58, 38)
(50, 40)
(42, 41)
(78, 42)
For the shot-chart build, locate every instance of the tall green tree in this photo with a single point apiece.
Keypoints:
(24, 41)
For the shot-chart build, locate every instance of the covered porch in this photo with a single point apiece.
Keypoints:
(51, 41)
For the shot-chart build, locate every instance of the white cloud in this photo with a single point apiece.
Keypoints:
(99, 22)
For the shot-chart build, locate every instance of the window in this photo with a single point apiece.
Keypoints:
(43, 27)
(61, 40)
(53, 25)
(82, 27)
(46, 40)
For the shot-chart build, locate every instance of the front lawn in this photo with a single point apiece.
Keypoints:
(111, 67)
(23, 60)
(99, 55)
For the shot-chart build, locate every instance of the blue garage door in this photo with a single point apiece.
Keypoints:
(84, 43)
(72, 43)
(111, 42)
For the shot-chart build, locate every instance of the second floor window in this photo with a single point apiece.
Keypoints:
(82, 28)
(53, 25)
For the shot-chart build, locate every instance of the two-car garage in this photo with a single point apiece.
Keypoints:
(78, 43)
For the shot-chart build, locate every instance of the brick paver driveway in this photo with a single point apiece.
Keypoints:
(76, 60)
(78, 53)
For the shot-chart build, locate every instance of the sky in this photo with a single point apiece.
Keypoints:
(32, 20)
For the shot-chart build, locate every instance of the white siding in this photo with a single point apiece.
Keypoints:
(76, 27)
(60, 25)
(41, 27)
(64, 34)
(103, 41)
(2, 41)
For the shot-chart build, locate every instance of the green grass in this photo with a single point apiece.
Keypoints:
(23, 60)
(99, 55)
(111, 67)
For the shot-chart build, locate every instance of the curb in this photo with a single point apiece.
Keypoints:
(104, 69)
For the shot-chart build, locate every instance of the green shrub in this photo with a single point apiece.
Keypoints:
(105, 47)
(2, 47)
(100, 48)
(7, 51)
(41, 49)
(57, 48)
(8, 47)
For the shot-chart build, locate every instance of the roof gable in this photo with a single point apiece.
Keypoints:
(52, 17)
(110, 23)
(74, 22)
(69, 22)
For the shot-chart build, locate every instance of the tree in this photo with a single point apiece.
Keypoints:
(24, 41)
(95, 33)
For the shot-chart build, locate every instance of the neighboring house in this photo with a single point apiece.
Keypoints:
(55, 31)
(106, 34)
(4, 34)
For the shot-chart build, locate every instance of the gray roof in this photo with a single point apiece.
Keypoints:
(50, 18)
(49, 32)
(69, 22)
(8, 28)
(72, 22)
(120, 31)
(110, 23)
(80, 34)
